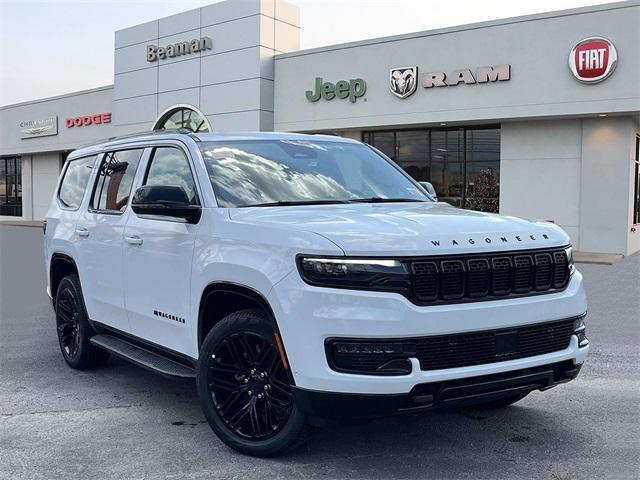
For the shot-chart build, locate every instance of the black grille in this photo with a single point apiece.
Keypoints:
(466, 349)
(460, 277)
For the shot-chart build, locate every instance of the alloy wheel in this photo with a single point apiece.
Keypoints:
(68, 323)
(249, 385)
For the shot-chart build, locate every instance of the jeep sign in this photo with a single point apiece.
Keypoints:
(593, 59)
(352, 89)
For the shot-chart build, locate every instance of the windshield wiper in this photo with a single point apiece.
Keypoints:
(384, 200)
(286, 203)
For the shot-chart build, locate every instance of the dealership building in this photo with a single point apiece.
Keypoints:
(535, 116)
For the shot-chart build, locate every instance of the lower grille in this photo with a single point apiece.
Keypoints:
(467, 349)
(449, 351)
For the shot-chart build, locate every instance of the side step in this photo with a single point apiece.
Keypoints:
(142, 357)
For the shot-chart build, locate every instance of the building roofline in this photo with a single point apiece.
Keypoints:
(57, 97)
(461, 28)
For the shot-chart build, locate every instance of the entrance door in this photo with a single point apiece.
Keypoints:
(158, 254)
(99, 235)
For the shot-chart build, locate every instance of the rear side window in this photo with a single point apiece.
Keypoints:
(114, 180)
(74, 182)
(170, 166)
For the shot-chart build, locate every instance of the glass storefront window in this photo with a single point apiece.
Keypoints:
(11, 187)
(463, 164)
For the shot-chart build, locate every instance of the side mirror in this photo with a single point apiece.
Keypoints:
(165, 201)
(430, 190)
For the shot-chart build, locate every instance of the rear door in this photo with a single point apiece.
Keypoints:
(158, 254)
(99, 233)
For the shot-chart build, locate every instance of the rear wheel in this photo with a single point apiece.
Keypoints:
(244, 387)
(72, 325)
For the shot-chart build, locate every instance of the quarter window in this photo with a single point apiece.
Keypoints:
(114, 180)
(75, 181)
(170, 166)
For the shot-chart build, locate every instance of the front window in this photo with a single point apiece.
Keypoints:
(114, 180)
(296, 172)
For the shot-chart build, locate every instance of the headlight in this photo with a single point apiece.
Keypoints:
(569, 253)
(358, 273)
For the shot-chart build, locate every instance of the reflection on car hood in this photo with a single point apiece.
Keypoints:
(408, 228)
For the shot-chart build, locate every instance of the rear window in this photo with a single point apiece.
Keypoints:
(74, 182)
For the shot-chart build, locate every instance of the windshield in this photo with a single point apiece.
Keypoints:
(294, 172)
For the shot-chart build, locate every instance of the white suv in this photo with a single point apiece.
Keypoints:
(303, 278)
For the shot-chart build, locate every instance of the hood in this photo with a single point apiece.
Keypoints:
(408, 228)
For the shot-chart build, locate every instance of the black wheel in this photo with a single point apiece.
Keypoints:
(244, 387)
(501, 402)
(73, 328)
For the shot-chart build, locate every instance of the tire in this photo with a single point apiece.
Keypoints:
(244, 388)
(500, 402)
(74, 331)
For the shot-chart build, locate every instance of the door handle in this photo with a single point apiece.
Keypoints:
(133, 240)
(82, 232)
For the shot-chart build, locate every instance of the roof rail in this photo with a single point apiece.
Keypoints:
(182, 130)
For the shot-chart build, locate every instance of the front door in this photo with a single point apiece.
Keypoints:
(99, 234)
(158, 254)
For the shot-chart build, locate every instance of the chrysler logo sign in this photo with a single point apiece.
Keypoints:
(403, 81)
(593, 59)
(41, 127)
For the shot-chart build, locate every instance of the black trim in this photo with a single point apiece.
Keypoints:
(409, 260)
(146, 344)
(414, 347)
(425, 396)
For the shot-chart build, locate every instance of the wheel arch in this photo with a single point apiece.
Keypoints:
(60, 266)
(233, 297)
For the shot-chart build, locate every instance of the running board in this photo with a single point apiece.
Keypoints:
(142, 357)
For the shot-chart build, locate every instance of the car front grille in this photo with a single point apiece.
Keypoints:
(467, 349)
(487, 276)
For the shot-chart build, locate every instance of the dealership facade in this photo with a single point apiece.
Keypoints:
(535, 116)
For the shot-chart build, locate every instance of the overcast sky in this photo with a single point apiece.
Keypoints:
(51, 47)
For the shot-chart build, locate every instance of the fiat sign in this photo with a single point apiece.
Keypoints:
(593, 59)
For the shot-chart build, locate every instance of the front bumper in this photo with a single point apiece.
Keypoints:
(307, 316)
(455, 393)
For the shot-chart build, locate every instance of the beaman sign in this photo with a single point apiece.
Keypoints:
(177, 49)
(593, 59)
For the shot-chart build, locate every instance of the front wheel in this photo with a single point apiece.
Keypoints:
(244, 387)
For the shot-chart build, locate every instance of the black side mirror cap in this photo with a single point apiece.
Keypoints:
(165, 201)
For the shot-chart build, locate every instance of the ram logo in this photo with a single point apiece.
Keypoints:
(403, 81)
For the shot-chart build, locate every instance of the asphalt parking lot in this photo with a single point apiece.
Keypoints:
(124, 422)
